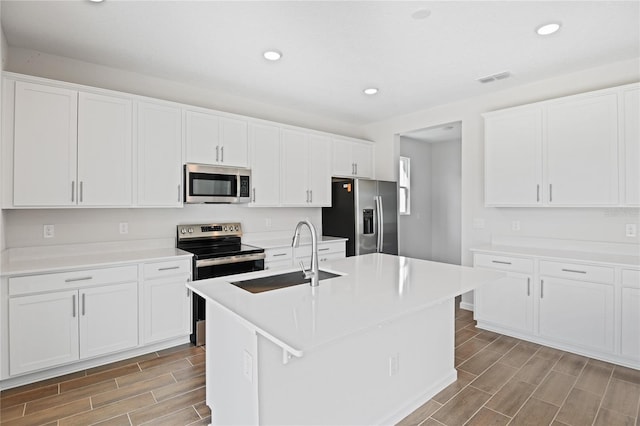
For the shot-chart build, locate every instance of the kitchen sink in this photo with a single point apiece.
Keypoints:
(274, 282)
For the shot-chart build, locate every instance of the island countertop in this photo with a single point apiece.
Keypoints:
(375, 288)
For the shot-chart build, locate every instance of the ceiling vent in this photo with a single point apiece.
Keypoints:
(494, 77)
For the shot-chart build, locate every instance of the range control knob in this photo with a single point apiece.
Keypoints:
(191, 230)
(237, 228)
(224, 228)
(183, 231)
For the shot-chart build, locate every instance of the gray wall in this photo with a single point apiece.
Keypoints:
(433, 230)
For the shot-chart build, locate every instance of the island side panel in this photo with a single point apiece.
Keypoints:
(377, 376)
(231, 369)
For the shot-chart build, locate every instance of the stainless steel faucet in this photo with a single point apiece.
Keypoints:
(313, 272)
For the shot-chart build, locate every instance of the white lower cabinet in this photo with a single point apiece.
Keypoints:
(108, 317)
(579, 313)
(508, 302)
(590, 309)
(327, 251)
(166, 301)
(50, 340)
(279, 257)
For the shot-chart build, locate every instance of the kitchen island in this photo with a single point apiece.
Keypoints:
(366, 347)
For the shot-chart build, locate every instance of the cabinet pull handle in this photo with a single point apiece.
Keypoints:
(73, 191)
(168, 268)
(222, 154)
(550, 193)
(311, 196)
(307, 195)
(356, 168)
(324, 249)
(279, 254)
(538, 193)
(81, 190)
(528, 286)
(574, 271)
(217, 153)
(541, 289)
(179, 193)
(83, 303)
(501, 262)
(188, 293)
(353, 168)
(70, 280)
(254, 195)
(73, 301)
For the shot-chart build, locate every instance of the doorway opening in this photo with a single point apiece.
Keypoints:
(430, 165)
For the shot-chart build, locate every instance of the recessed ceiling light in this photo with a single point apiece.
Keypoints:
(96, 1)
(548, 29)
(272, 55)
(370, 91)
(421, 14)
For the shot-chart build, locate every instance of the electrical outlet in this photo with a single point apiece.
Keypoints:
(394, 364)
(124, 227)
(49, 231)
(247, 366)
(631, 230)
(515, 225)
(478, 223)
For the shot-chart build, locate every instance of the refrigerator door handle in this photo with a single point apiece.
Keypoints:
(380, 227)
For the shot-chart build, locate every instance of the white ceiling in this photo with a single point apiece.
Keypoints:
(332, 50)
(441, 133)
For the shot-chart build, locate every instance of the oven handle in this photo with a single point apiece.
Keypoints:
(229, 259)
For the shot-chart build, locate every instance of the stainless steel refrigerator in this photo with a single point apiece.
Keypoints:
(365, 212)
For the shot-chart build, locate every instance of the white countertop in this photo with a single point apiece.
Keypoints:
(376, 288)
(568, 255)
(286, 242)
(21, 266)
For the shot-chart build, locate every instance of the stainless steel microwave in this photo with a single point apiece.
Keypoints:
(204, 183)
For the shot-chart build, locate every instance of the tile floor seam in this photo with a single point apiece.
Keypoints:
(604, 394)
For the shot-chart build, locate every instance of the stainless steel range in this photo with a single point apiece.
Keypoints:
(217, 251)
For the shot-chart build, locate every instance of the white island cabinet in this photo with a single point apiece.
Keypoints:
(366, 347)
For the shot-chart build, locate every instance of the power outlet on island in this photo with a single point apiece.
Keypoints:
(124, 227)
(394, 364)
(515, 225)
(48, 231)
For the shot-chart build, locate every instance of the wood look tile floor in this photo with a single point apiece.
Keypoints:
(501, 380)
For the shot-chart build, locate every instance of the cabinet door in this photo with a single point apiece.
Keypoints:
(632, 146)
(234, 147)
(202, 137)
(265, 165)
(319, 171)
(159, 143)
(43, 331)
(582, 151)
(363, 158)
(294, 168)
(507, 302)
(104, 150)
(166, 308)
(577, 312)
(343, 164)
(108, 319)
(45, 145)
(630, 326)
(513, 158)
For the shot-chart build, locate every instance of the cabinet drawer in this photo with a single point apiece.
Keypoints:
(503, 263)
(167, 268)
(278, 264)
(323, 249)
(278, 254)
(631, 278)
(576, 271)
(69, 280)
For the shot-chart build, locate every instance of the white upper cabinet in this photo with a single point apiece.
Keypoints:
(576, 151)
(159, 144)
(104, 150)
(631, 137)
(306, 165)
(264, 143)
(352, 159)
(582, 151)
(213, 139)
(45, 145)
(513, 157)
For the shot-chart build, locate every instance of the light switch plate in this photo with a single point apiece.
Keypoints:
(124, 227)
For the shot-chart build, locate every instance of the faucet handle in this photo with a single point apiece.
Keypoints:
(307, 274)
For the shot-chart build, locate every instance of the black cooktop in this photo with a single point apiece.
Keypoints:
(223, 250)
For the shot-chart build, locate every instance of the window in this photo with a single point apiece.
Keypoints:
(404, 186)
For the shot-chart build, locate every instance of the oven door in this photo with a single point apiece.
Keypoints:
(215, 268)
(210, 184)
